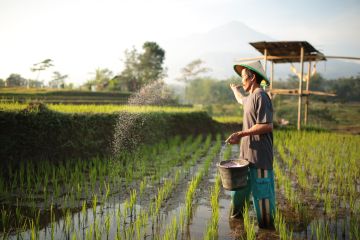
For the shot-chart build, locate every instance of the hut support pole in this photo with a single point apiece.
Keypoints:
(307, 96)
(300, 86)
(271, 75)
(265, 58)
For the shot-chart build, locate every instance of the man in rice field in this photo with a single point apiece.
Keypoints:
(256, 144)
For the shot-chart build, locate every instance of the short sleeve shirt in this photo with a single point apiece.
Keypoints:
(257, 149)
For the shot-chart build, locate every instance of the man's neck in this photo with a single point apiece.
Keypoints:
(254, 87)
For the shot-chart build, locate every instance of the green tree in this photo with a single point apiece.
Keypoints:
(58, 80)
(101, 79)
(141, 68)
(15, 80)
(150, 63)
(129, 77)
(192, 70)
(318, 83)
(41, 66)
(35, 83)
(346, 89)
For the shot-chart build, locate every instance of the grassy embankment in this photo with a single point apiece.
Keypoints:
(44, 95)
(61, 132)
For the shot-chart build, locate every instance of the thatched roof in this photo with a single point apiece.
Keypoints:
(288, 51)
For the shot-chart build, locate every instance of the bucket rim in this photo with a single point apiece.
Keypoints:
(244, 162)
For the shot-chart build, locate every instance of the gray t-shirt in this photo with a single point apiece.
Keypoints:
(257, 149)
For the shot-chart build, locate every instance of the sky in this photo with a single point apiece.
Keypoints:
(83, 35)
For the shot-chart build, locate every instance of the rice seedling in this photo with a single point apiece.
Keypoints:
(211, 232)
(354, 230)
(118, 223)
(33, 231)
(320, 229)
(17, 212)
(2, 187)
(171, 231)
(78, 191)
(142, 187)
(74, 236)
(94, 205)
(129, 232)
(248, 224)
(89, 233)
(84, 213)
(133, 196)
(52, 232)
(280, 226)
(4, 219)
(107, 189)
(182, 219)
(107, 226)
(68, 223)
(97, 229)
(138, 225)
(125, 211)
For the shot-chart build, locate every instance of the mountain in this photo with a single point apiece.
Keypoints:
(220, 47)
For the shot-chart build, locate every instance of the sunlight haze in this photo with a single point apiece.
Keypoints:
(80, 36)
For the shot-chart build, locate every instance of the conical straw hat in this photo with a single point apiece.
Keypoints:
(254, 66)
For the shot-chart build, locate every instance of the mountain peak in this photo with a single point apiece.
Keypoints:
(236, 29)
(219, 47)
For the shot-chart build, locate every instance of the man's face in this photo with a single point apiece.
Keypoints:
(246, 81)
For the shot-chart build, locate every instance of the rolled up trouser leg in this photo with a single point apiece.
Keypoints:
(238, 199)
(263, 190)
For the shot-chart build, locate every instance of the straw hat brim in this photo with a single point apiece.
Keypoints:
(239, 67)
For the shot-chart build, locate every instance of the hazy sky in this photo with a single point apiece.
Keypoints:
(82, 35)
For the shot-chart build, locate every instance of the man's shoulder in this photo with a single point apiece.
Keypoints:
(261, 94)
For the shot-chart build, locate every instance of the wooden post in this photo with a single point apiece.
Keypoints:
(271, 75)
(265, 58)
(307, 96)
(271, 79)
(300, 86)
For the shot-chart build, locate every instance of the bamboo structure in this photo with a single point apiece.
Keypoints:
(292, 52)
(307, 97)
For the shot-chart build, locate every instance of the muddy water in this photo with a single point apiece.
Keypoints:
(79, 224)
(227, 228)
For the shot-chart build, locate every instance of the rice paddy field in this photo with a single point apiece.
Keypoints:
(172, 190)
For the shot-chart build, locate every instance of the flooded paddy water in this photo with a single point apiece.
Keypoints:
(164, 191)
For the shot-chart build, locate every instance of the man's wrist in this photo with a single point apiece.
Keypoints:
(242, 133)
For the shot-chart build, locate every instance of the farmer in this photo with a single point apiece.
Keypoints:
(256, 144)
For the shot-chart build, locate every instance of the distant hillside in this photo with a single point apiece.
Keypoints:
(220, 46)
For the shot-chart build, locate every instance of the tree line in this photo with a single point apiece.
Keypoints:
(140, 69)
(146, 66)
(208, 90)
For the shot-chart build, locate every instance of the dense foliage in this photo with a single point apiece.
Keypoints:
(346, 89)
(140, 68)
(206, 90)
